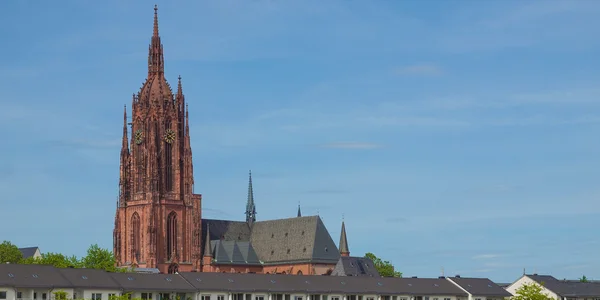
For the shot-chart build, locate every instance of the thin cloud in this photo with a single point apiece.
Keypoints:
(351, 145)
(485, 256)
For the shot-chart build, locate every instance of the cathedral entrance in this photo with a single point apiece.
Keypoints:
(173, 268)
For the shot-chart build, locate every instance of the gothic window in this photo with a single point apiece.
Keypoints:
(135, 236)
(168, 162)
(139, 187)
(171, 235)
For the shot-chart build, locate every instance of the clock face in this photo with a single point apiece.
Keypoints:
(139, 136)
(169, 136)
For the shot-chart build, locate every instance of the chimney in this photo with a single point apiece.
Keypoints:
(442, 277)
(457, 276)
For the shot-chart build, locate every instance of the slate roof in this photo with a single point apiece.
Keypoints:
(31, 276)
(155, 282)
(226, 230)
(300, 239)
(481, 287)
(50, 277)
(89, 278)
(234, 252)
(568, 288)
(292, 240)
(355, 266)
(28, 251)
(234, 282)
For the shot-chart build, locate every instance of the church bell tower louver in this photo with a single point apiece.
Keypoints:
(158, 219)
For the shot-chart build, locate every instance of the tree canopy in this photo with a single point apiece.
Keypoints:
(385, 268)
(531, 291)
(96, 258)
(10, 253)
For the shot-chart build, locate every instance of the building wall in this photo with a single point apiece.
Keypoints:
(235, 269)
(298, 269)
(28, 294)
(156, 295)
(87, 294)
(526, 280)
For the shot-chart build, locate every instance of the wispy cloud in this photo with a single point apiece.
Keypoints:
(486, 256)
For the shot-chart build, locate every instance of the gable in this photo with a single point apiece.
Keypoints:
(30, 252)
(234, 252)
(355, 266)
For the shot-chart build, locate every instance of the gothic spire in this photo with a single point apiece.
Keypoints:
(299, 212)
(250, 207)
(155, 51)
(207, 250)
(344, 251)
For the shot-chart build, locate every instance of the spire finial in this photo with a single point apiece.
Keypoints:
(299, 212)
(155, 51)
(155, 33)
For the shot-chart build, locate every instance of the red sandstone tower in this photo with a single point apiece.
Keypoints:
(158, 219)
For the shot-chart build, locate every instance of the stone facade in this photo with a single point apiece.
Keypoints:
(158, 219)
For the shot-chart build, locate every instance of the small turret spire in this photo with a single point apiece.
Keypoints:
(299, 212)
(344, 251)
(207, 249)
(250, 207)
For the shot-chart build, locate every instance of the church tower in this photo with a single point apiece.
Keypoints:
(158, 219)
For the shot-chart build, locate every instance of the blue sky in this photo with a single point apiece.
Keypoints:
(460, 135)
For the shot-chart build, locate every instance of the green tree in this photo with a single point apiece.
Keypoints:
(385, 268)
(99, 258)
(531, 291)
(54, 259)
(10, 253)
(60, 295)
(583, 279)
(125, 296)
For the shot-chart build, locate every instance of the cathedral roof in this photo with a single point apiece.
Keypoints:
(293, 240)
(303, 239)
(226, 230)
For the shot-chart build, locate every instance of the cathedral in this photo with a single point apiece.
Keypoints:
(158, 222)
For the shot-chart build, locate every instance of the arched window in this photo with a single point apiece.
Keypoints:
(172, 235)
(135, 237)
(168, 161)
(299, 272)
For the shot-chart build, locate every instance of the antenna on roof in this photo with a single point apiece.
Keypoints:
(523, 271)
(442, 271)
